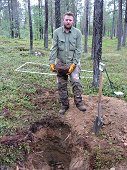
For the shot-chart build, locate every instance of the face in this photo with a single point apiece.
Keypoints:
(68, 21)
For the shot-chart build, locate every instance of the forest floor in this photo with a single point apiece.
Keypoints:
(33, 136)
(68, 142)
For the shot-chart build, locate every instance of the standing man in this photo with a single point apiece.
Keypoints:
(65, 60)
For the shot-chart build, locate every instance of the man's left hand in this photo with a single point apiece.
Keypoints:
(71, 69)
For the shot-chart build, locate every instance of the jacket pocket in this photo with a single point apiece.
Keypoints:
(72, 44)
(61, 44)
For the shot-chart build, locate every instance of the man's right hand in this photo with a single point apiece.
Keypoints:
(52, 68)
(71, 69)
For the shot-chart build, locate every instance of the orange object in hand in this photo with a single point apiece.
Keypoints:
(52, 67)
(71, 69)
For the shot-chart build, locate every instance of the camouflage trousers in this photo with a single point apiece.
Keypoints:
(76, 87)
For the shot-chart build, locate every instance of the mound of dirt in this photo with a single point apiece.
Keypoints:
(110, 146)
(113, 110)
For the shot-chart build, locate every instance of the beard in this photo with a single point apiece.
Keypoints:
(67, 27)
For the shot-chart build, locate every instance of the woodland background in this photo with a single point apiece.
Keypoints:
(18, 19)
(48, 15)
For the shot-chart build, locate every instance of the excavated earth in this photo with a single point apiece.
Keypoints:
(68, 142)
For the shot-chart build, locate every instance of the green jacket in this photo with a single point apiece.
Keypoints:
(67, 47)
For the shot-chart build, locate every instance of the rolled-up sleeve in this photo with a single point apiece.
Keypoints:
(54, 48)
(78, 50)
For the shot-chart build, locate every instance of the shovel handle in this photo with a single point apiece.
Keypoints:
(100, 93)
(99, 120)
(101, 69)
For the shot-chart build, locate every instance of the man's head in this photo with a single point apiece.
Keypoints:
(68, 20)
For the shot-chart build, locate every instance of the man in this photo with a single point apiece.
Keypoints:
(66, 49)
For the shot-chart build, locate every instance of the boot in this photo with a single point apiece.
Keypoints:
(77, 88)
(81, 107)
(63, 109)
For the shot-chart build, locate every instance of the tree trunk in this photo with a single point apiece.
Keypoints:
(39, 10)
(119, 25)
(10, 9)
(30, 27)
(57, 14)
(46, 25)
(75, 4)
(113, 20)
(92, 49)
(25, 15)
(97, 39)
(67, 5)
(86, 9)
(51, 20)
(125, 27)
(89, 20)
(40, 17)
(16, 17)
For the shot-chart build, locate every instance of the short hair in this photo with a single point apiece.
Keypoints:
(69, 14)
